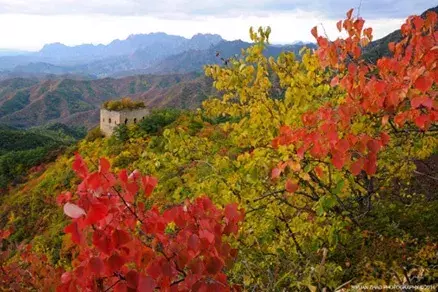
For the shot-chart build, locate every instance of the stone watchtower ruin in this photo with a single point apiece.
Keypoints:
(113, 116)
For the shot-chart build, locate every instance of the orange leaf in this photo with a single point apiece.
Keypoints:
(334, 82)
(314, 32)
(319, 171)
(349, 13)
(423, 83)
(275, 173)
(358, 24)
(391, 47)
(339, 25)
(384, 137)
(322, 42)
(368, 32)
(291, 187)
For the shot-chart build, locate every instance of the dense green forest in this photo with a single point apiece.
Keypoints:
(21, 150)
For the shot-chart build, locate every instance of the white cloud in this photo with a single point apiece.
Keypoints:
(223, 8)
(31, 32)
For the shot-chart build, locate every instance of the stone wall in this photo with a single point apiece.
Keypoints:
(111, 119)
(133, 116)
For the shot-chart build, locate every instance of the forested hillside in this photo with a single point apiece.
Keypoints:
(21, 151)
(309, 173)
(29, 102)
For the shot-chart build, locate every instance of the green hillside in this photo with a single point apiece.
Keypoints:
(21, 150)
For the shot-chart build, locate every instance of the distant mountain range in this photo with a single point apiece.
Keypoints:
(61, 83)
(64, 84)
(156, 53)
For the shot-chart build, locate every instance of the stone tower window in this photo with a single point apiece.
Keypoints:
(109, 120)
(135, 120)
(126, 121)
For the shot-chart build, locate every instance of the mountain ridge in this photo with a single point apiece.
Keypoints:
(29, 102)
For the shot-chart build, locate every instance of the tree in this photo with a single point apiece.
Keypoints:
(337, 177)
(123, 244)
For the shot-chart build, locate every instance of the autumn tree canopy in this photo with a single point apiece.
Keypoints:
(316, 174)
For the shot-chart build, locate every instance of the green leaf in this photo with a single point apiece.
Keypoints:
(338, 187)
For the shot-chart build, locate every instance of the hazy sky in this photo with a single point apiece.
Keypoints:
(29, 24)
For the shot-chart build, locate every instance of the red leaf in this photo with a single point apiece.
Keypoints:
(146, 284)
(338, 159)
(275, 173)
(213, 265)
(339, 25)
(132, 187)
(205, 234)
(120, 237)
(102, 242)
(334, 82)
(120, 287)
(423, 83)
(418, 101)
(132, 279)
(349, 13)
(319, 171)
(342, 145)
(373, 145)
(80, 167)
(379, 87)
(115, 262)
(391, 46)
(154, 269)
(74, 231)
(418, 22)
(422, 121)
(193, 242)
(291, 187)
(370, 165)
(93, 181)
(104, 165)
(384, 137)
(66, 277)
(356, 166)
(97, 212)
(314, 32)
(322, 42)
(231, 212)
(73, 211)
(358, 24)
(166, 268)
(123, 176)
(368, 32)
(182, 259)
(96, 265)
(149, 184)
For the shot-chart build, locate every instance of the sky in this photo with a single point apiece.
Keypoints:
(29, 24)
